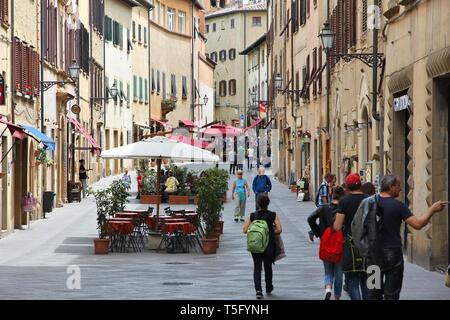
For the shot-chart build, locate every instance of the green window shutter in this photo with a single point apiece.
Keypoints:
(134, 88)
(146, 90)
(140, 89)
(120, 36)
(128, 94)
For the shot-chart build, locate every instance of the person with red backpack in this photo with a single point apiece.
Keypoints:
(330, 243)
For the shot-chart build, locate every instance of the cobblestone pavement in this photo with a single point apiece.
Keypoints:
(33, 263)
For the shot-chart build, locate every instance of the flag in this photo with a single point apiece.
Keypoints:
(262, 107)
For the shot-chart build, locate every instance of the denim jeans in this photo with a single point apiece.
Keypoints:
(84, 186)
(357, 286)
(333, 275)
(391, 276)
(260, 259)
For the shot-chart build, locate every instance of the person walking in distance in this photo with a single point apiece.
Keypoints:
(394, 213)
(232, 161)
(240, 191)
(82, 175)
(324, 195)
(354, 266)
(250, 155)
(261, 184)
(326, 215)
(267, 258)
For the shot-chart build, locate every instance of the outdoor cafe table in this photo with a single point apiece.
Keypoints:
(133, 215)
(176, 236)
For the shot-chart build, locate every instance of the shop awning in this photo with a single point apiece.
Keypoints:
(15, 130)
(85, 133)
(254, 124)
(39, 137)
(187, 123)
(161, 122)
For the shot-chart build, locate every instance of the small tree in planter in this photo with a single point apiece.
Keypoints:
(148, 191)
(104, 210)
(119, 195)
(210, 189)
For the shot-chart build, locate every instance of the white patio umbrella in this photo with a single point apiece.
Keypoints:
(160, 148)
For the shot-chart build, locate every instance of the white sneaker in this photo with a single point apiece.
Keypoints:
(327, 294)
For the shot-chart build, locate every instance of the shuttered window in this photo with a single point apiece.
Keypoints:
(26, 69)
(232, 87)
(83, 45)
(153, 81)
(140, 90)
(50, 34)
(164, 85)
(319, 89)
(135, 88)
(185, 89)
(302, 12)
(97, 9)
(364, 16)
(158, 88)
(313, 72)
(223, 88)
(173, 85)
(146, 91)
(108, 29)
(4, 11)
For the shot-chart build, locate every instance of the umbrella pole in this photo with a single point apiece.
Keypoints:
(158, 190)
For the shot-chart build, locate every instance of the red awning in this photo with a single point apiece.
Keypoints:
(85, 133)
(254, 124)
(188, 123)
(224, 130)
(191, 141)
(16, 131)
(161, 122)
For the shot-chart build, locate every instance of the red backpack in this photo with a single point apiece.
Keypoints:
(331, 246)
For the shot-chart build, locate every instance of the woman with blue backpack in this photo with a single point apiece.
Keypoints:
(261, 228)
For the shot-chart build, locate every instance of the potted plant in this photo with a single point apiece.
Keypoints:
(210, 189)
(103, 202)
(182, 196)
(148, 191)
(119, 195)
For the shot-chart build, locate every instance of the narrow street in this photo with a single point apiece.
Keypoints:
(33, 263)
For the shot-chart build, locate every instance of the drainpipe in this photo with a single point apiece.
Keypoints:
(245, 71)
(12, 86)
(192, 60)
(149, 69)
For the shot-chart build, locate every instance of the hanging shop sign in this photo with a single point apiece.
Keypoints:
(402, 103)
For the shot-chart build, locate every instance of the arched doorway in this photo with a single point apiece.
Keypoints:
(365, 161)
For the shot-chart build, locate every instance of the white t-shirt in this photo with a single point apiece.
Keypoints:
(250, 153)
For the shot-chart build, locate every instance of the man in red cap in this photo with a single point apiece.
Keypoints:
(353, 266)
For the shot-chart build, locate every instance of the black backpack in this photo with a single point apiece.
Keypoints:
(367, 227)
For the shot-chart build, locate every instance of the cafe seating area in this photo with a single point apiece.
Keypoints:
(180, 230)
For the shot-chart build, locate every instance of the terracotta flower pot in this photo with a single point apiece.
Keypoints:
(178, 199)
(150, 199)
(101, 246)
(215, 235)
(220, 225)
(209, 245)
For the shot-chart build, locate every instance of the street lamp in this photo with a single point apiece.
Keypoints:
(74, 70)
(205, 100)
(113, 91)
(327, 36)
(278, 82)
